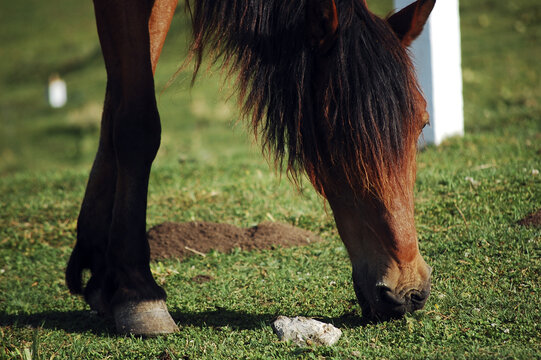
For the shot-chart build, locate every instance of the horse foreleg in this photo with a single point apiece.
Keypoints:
(94, 220)
(112, 223)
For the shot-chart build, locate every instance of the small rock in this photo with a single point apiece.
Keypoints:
(305, 331)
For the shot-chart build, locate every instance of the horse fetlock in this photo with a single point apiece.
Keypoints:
(147, 318)
(95, 300)
(74, 271)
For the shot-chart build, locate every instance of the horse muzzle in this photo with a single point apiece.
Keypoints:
(382, 303)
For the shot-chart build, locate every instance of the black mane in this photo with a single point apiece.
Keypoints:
(357, 123)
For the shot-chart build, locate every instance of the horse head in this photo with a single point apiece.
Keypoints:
(331, 91)
(370, 113)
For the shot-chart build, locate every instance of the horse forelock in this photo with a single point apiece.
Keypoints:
(359, 122)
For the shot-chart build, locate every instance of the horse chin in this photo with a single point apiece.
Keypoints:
(366, 309)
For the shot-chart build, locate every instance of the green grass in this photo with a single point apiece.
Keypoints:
(486, 288)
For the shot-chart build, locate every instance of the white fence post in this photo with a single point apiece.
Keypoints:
(437, 59)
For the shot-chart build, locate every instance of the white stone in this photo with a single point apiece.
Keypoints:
(305, 331)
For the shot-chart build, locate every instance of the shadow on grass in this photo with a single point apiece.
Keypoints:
(239, 320)
(85, 321)
(69, 321)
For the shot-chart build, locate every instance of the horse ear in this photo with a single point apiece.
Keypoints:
(409, 22)
(322, 24)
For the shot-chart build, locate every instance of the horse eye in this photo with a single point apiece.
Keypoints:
(426, 119)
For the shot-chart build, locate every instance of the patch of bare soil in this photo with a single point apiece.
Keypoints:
(533, 220)
(178, 240)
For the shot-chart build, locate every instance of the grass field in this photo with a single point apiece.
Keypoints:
(486, 287)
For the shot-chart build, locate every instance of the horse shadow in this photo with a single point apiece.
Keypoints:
(84, 321)
(81, 321)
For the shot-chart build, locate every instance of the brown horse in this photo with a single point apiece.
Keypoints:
(331, 91)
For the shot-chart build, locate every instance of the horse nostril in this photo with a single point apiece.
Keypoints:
(388, 305)
(387, 296)
(418, 299)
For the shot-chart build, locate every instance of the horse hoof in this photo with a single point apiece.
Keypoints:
(148, 318)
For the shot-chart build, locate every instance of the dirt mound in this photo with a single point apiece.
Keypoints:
(178, 240)
(533, 220)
